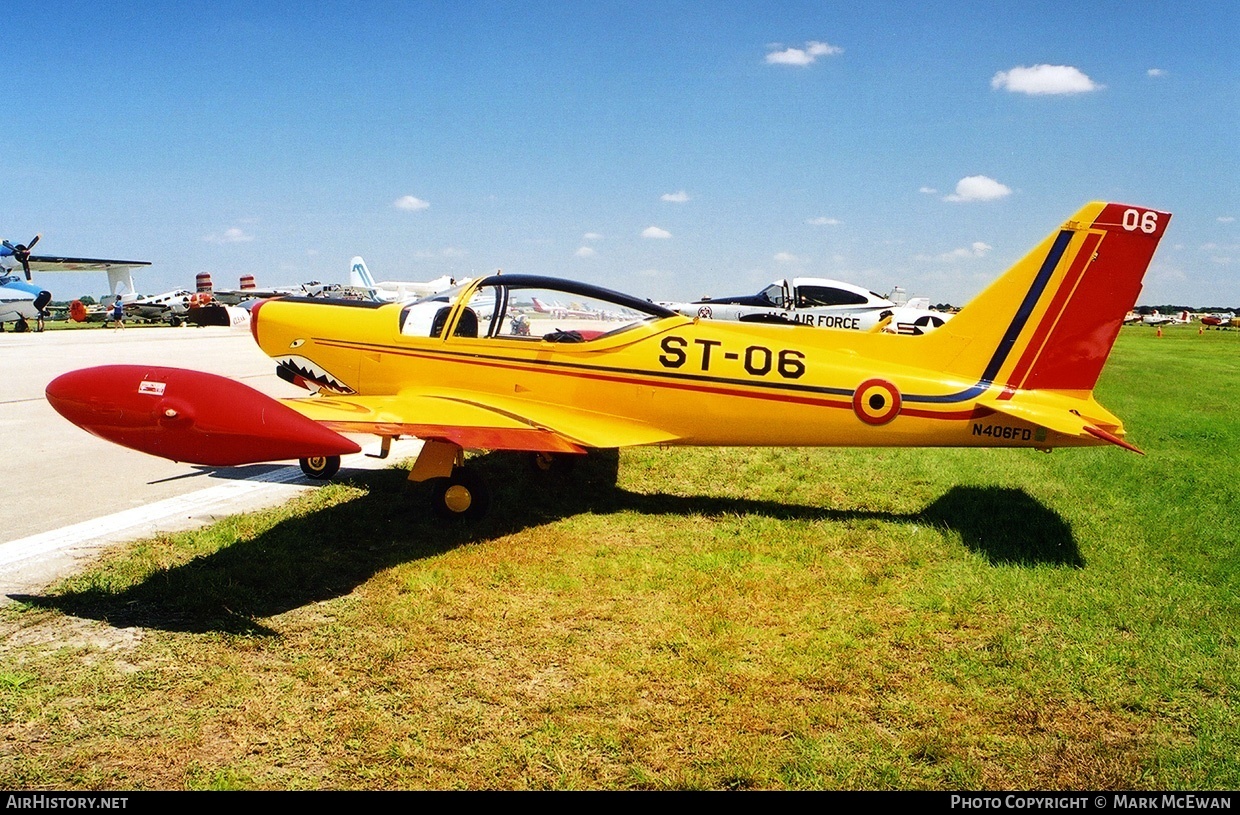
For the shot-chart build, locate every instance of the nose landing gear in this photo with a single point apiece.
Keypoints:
(320, 468)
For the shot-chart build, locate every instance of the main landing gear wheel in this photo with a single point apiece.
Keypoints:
(320, 468)
(464, 494)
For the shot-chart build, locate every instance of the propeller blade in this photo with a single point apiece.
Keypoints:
(30, 245)
(26, 267)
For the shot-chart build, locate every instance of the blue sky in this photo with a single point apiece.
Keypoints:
(669, 149)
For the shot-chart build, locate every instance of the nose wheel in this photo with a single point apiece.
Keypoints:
(464, 494)
(320, 468)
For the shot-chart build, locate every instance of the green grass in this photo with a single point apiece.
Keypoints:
(695, 619)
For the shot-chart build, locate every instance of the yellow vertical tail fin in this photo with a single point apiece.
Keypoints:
(1049, 322)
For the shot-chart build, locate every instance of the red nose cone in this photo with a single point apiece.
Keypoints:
(189, 416)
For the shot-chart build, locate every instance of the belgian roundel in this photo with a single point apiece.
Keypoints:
(876, 401)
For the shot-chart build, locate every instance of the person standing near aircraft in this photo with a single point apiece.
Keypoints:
(118, 313)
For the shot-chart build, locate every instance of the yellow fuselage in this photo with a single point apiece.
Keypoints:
(691, 382)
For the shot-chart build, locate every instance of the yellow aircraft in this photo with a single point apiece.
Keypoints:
(479, 367)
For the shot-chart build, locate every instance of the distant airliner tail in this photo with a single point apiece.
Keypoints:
(360, 276)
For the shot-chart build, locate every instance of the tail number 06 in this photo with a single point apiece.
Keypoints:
(1135, 219)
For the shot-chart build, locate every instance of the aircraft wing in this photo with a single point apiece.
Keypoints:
(477, 422)
(202, 418)
(46, 263)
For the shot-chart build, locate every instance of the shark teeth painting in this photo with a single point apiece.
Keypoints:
(305, 374)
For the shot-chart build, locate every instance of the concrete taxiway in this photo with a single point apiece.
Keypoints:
(69, 494)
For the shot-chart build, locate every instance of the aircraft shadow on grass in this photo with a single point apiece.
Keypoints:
(328, 553)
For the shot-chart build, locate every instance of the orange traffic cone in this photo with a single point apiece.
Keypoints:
(1160, 330)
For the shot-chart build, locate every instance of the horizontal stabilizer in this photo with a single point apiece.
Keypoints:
(189, 416)
(1064, 420)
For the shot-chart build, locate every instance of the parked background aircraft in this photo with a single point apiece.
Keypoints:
(169, 307)
(820, 302)
(1016, 367)
(249, 290)
(206, 311)
(393, 291)
(1224, 320)
(1155, 318)
(21, 302)
(575, 310)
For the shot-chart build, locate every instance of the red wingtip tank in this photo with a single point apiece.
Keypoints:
(189, 416)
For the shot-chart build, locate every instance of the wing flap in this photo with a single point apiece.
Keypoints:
(477, 422)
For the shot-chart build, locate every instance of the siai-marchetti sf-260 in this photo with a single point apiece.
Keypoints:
(481, 367)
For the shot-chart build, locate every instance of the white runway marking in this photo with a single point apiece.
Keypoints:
(28, 565)
(130, 520)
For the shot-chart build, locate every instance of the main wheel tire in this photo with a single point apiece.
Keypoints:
(464, 494)
(320, 468)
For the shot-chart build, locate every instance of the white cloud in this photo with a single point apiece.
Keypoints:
(928, 190)
(675, 197)
(233, 235)
(655, 232)
(975, 250)
(803, 56)
(1225, 219)
(978, 188)
(584, 252)
(1155, 72)
(408, 202)
(1042, 80)
(821, 221)
(592, 236)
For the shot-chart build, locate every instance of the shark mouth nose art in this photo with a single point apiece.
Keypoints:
(305, 374)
